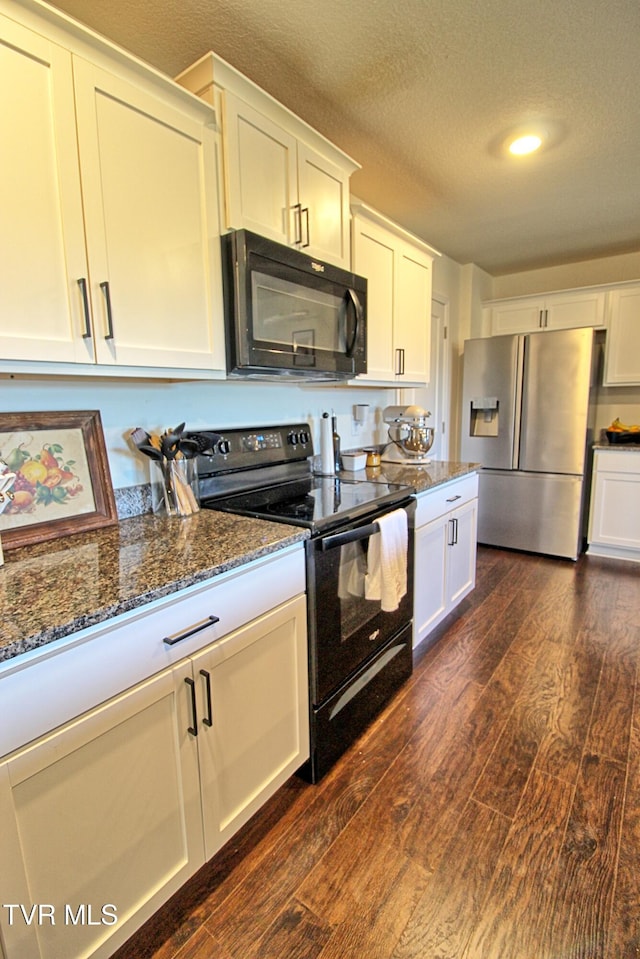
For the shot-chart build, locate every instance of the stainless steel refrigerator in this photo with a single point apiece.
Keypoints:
(528, 418)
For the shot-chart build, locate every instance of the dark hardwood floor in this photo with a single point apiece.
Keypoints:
(491, 812)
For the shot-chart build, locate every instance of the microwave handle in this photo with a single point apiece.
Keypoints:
(357, 309)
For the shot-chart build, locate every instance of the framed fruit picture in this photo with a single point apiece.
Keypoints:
(61, 482)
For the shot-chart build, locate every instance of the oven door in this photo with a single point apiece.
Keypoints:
(345, 627)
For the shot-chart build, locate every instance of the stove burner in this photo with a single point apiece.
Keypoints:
(293, 509)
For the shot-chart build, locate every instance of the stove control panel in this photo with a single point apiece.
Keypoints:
(251, 447)
(261, 441)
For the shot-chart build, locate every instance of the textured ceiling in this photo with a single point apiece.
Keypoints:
(421, 92)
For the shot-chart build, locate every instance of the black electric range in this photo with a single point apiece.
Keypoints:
(267, 473)
(360, 650)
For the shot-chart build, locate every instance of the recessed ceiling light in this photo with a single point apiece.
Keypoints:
(525, 144)
(533, 134)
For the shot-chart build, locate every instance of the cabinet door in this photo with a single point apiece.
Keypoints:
(622, 349)
(461, 556)
(150, 225)
(324, 196)
(104, 812)
(517, 316)
(374, 258)
(260, 165)
(42, 254)
(568, 311)
(412, 314)
(615, 518)
(430, 588)
(253, 690)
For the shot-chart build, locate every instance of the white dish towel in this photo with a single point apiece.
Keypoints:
(386, 578)
(352, 571)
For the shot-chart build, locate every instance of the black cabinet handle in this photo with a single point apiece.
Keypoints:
(452, 499)
(104, 286)
(297, 217)
(305, 210)
(453, 531)
(178, 637)
(208, 719)
(82, 283)
(192, 729)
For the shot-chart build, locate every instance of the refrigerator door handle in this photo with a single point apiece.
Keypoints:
(517, 400)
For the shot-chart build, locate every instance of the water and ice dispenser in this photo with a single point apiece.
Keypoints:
(485, 416)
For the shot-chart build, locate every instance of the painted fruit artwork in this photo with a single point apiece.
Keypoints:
(42, 479)
(52, 476)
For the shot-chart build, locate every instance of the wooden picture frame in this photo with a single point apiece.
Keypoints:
(63, 482)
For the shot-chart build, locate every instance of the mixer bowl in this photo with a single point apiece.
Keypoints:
(414, 441)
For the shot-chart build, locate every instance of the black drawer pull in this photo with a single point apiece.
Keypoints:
(192, 729)
(208, 720)
(452, 499)
(178, 637)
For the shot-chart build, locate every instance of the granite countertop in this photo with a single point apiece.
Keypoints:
(51, 590)
(420, 478)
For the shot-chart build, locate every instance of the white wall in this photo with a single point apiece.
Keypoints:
(617, 401)
(464, 288)
(608, 269)
(156, 405)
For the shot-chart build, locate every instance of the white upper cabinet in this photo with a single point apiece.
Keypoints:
(109, 238)
(42, 252)
(282, 179)
(398, 269)
(622, 349)
(143, 179)
(260, 172)
(551, 311)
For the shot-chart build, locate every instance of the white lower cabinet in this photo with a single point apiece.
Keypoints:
(101, 819)
(445, 552)
(253, 721)
(109, 814)
(614, 518)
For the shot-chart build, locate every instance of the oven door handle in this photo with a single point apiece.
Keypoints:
(350, 536)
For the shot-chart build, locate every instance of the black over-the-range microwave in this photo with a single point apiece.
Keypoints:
(290, 315)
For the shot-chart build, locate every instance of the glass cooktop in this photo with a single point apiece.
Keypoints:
(316, 502)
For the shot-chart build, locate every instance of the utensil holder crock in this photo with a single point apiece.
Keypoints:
(174, 487)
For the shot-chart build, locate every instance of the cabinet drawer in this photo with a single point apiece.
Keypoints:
(442, 499)
(617, 461)
(56, 685)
